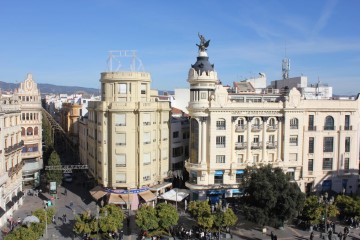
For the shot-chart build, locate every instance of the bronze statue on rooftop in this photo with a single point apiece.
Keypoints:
(203, 43)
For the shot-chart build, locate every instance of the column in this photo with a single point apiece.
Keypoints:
(264, 156)
(203, 140)
(200, 141)
(248, 152)
(279, 140)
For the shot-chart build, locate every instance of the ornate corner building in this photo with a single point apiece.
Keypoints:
(315, 141)
(31, 130)
(11, 164)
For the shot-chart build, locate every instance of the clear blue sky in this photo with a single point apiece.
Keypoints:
(67, 42)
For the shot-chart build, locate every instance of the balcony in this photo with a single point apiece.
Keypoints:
(240, 145)
(347, 128)
(218, 181)
(195, 166)
(272, 128)
(256, 128)
(256, 145)
(311, 128)
(240, 128)
(271, 145)
(329, 128)
(147, 123)
(193, 180)
(14, 147)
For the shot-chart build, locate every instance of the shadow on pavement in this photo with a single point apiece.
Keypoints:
(66, 229)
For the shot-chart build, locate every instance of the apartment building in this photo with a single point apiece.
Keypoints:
(315, 141)
(11, 164)
(127, 132)
(31, 130)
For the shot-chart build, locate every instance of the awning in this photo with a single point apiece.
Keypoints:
(291, 170)
(160, 186)
(219, 173)
(97, 192)
(175, 195)
(9, 204)
(2, 212)
(20, 194)
(120, 198)
(239, 171)
(147, 196)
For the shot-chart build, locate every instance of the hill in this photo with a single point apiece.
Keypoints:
(53, 89)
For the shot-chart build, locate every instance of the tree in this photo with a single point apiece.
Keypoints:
(270, 198)
(348, 206)
(85, 223)
(146, 218)
(167, 215)
(22, 233)
(111, 218)
(54, 176)
(201, 211)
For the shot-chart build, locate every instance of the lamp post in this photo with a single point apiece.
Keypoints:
(46, 230)
(324, 199)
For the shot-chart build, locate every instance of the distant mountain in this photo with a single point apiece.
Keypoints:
(52, 89)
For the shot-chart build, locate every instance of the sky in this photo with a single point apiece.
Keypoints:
(68, 42)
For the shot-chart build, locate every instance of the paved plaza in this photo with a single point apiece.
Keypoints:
(82, 201)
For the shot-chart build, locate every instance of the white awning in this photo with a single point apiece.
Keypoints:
(160, 186)
(175, 194)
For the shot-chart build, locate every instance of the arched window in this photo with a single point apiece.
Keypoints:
(221, 124)
(294, 123)
(22, 131)
(29, 131)
(36, 131)
(272, 122)
(329, 123)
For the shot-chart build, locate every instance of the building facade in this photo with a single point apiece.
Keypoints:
(127, 133)
(316, 141)
(31, 130)
(11, 164)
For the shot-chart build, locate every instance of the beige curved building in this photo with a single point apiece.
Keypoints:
(316, 142)
(31, 130)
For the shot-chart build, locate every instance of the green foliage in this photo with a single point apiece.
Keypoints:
(167, 215)
(40, 214)
(201, 211)
(270, 198)
(146, 218)
(111, 218)
(312, 211)
(85, 224)
(22, 233)
(348, 206)
(54, 176)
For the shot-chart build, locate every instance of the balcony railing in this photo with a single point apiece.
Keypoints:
(311, 128)
(240, 128)
(14, 147)
(329, 128)
(256, 145)
(348, 128)
(218, 181)
(256, 128)
(193, 180)
(195, 165)
(271, 145)
(272, 128)
(240, 145)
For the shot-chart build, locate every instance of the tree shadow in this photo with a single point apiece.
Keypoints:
(66, 229)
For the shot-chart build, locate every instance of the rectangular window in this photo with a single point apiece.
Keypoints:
(255, 158)
(176, 134)
(311, 145)
(220, 125)
(347, 144)
(203, 95)
(256, 139)
(120, 160)
(293, 157)
(291, 174)
(347, 165)
(328, 144)
(120, 177)
(147, 158)
(122, 88)
(120, 119)
(143, 88)
(220, 158)
(177, 152)
(293, 140)
(327, 163)
(240, 158)
(220, 141)
(347, 122)
(147, 137)
(311, 165)
(311, 123)
(121, 139)
(147, 119)
(240, 138)
(146, 177)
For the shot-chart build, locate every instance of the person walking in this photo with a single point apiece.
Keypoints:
(65, 192)
(53, 220)
(312, 236)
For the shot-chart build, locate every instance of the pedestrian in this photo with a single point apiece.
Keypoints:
(71, 204)
(272, 235)
(53, 220)
(312, 236)
(275, 237)
(65, 192)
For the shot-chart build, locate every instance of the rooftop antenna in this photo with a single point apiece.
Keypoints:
(285, 66)
(116, 57)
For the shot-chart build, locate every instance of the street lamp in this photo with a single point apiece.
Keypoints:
(46, 230)
(324, 199)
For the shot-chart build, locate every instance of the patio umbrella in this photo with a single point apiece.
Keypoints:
(31, 219)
